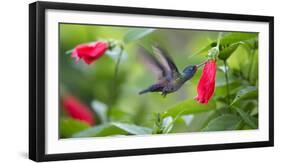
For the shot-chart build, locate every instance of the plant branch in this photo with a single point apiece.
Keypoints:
(225, 71)
(214, 52)
(115, 76)
(227, 81)
(118, 63)
(219, 40)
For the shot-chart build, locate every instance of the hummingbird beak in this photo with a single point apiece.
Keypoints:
(201, 64)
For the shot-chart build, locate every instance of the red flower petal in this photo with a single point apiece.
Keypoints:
(78, 110)
(90, 52)
(206, 85)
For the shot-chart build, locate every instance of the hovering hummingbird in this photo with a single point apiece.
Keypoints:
(169, 77)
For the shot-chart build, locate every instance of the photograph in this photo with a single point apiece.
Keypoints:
(117, 81)
(111, 81)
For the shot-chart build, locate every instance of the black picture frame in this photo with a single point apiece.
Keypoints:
(37, 79)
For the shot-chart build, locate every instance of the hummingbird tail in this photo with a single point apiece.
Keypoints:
(153, 88)
(144, 91)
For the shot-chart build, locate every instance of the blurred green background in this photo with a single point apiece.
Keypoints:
(117, 102)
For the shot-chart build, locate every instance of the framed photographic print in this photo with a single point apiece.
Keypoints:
(117, 81)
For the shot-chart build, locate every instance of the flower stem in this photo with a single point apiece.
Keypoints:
(68, 52)
(215, 51)
(117, 64)
(225, 71)
(115, 76)
(219, 40)
(227, 81)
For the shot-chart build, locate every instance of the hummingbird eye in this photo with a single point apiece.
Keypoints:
(193, 68)
(190, 69)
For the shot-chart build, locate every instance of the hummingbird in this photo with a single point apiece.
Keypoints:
(169, 79)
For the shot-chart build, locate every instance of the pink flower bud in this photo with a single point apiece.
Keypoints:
(89, 52)
(77, 110)
(206, 85)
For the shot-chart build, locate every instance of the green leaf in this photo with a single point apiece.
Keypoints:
(115, 54)
(227, 51)
(229, 43)
(239, 61)
(136, 34)
(69, 126)
(253, 70)
(249, 92)
(235, 37)
(114, 128)
(200, 120)
(247, 118)
(189, 107)
(206, 48)
(101, 110)
(224, 122)
(117, 115)
(167, 124)
(221, 91)
(100, 130)
(132, 129)
(255, 111)
(179, 126)
(249, 45)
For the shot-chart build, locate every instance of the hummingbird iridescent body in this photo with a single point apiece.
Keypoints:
(169, 78)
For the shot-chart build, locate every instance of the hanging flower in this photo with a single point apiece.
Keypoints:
(206, 85)
(77, 110)
(89, 52)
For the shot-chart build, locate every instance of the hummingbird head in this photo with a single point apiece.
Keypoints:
(189, 71)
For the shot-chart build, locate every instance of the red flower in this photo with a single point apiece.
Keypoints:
(206, 85)
(89, 52)
(78, 110)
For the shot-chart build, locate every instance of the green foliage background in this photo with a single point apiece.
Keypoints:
(120, 110)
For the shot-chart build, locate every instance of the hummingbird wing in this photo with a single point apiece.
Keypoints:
(151, 62)
(167, 62)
